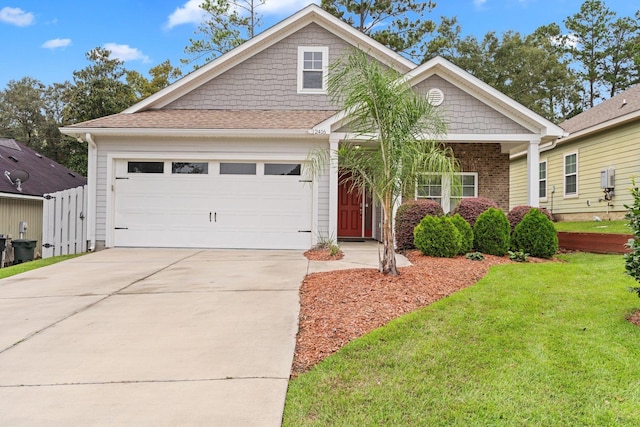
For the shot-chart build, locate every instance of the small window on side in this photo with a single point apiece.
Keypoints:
(237, 168)
(145, 167)
(282, 169)
(190, 168)
(313, 62)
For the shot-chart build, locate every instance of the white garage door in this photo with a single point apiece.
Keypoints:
(212, 204)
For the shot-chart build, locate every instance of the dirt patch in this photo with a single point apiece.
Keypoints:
(322, 254)
(339, 306)
(635, 318)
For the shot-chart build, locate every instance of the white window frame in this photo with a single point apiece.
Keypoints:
(445, 198)
(325, 67)
(546, 179)
(565, 175)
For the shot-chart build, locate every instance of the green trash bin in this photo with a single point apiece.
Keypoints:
(23, 250)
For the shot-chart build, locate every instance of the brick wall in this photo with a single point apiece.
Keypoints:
(492, 167)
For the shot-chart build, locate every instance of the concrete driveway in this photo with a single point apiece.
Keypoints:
(150, 337)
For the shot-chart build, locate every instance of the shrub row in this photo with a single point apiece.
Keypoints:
(421, 224)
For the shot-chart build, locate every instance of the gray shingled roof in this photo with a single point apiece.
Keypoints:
(210, 119)
(45, 175)
(610, 109)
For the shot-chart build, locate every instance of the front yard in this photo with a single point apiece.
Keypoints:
(612, 227)
(530, 344)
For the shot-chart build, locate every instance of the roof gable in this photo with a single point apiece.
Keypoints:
(485, 94)
(45, 175)
(310, 14)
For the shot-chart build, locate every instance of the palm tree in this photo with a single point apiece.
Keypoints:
(395, 137)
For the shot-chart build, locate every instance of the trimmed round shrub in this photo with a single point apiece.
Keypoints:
(492, 232)
(472, 207)
(437, 237)
(517, 213)
(535, 235)
(466, 233)
(408, 216)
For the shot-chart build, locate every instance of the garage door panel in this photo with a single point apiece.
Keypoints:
(217, 211)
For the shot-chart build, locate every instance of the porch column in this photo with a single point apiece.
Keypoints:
(533, 170)
(333, 187)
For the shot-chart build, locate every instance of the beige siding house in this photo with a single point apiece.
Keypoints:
(24, 203)
(588, 173)
(219, 158)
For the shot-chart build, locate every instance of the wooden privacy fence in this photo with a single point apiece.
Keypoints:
(64, 230)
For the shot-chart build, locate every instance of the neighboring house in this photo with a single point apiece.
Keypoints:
(600, 152)
(25, 203)
(219, 158)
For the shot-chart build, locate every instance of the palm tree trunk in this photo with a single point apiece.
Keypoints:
(388, 261)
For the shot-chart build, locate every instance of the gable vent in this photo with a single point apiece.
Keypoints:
(435, 97)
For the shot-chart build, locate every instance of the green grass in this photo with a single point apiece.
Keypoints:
(612, 227)
(32, 265)
(530, 344)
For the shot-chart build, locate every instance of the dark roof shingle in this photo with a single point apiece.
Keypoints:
(45, 175)
(620, 105)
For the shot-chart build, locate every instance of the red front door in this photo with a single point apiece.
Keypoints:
(350, 213)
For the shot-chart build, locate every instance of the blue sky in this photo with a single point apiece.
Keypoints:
(47, 40)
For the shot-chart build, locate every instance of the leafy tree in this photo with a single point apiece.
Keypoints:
(228, 24)
(588, 45)
(624, 46)
(395, 137)
(161, 76)
(530, 69)
(397, 24)
(21, 110)
(99, 89)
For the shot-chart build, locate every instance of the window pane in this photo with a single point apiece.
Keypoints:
(145, 167)
(543, 170)
(308, 56)
(570, 164)
(312, 79)
(281, 169)
(570, 184)
(543, 189)
(189, 168)
(468, 191)
(469, 180)
(237, 168)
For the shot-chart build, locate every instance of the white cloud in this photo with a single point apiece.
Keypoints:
(56, 43)
(284, 7)
(124, 52)
(16, 16)
(189, 13)
(479, 3)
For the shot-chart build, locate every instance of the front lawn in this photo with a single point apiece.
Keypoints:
(612, 227)
(32, 265)
(530, 344)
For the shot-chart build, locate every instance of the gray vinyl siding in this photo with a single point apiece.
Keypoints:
(199, 146)
(267, 80)
(466, 114)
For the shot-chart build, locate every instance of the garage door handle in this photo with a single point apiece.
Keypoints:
(215, 217)
(304, 231)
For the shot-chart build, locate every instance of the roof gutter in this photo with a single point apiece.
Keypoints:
(91, 179)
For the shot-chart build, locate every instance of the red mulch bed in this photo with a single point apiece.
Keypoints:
(339, 306)
(635, 318)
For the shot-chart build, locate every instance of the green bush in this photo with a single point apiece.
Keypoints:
(535, 235)
(632, 259)
(492, 232)
(466, 233)
(437, 237)
(408, 216)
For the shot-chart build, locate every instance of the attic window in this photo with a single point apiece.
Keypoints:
(313, 63)
(435, 97)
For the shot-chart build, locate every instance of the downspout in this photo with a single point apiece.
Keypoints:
(91, 178)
